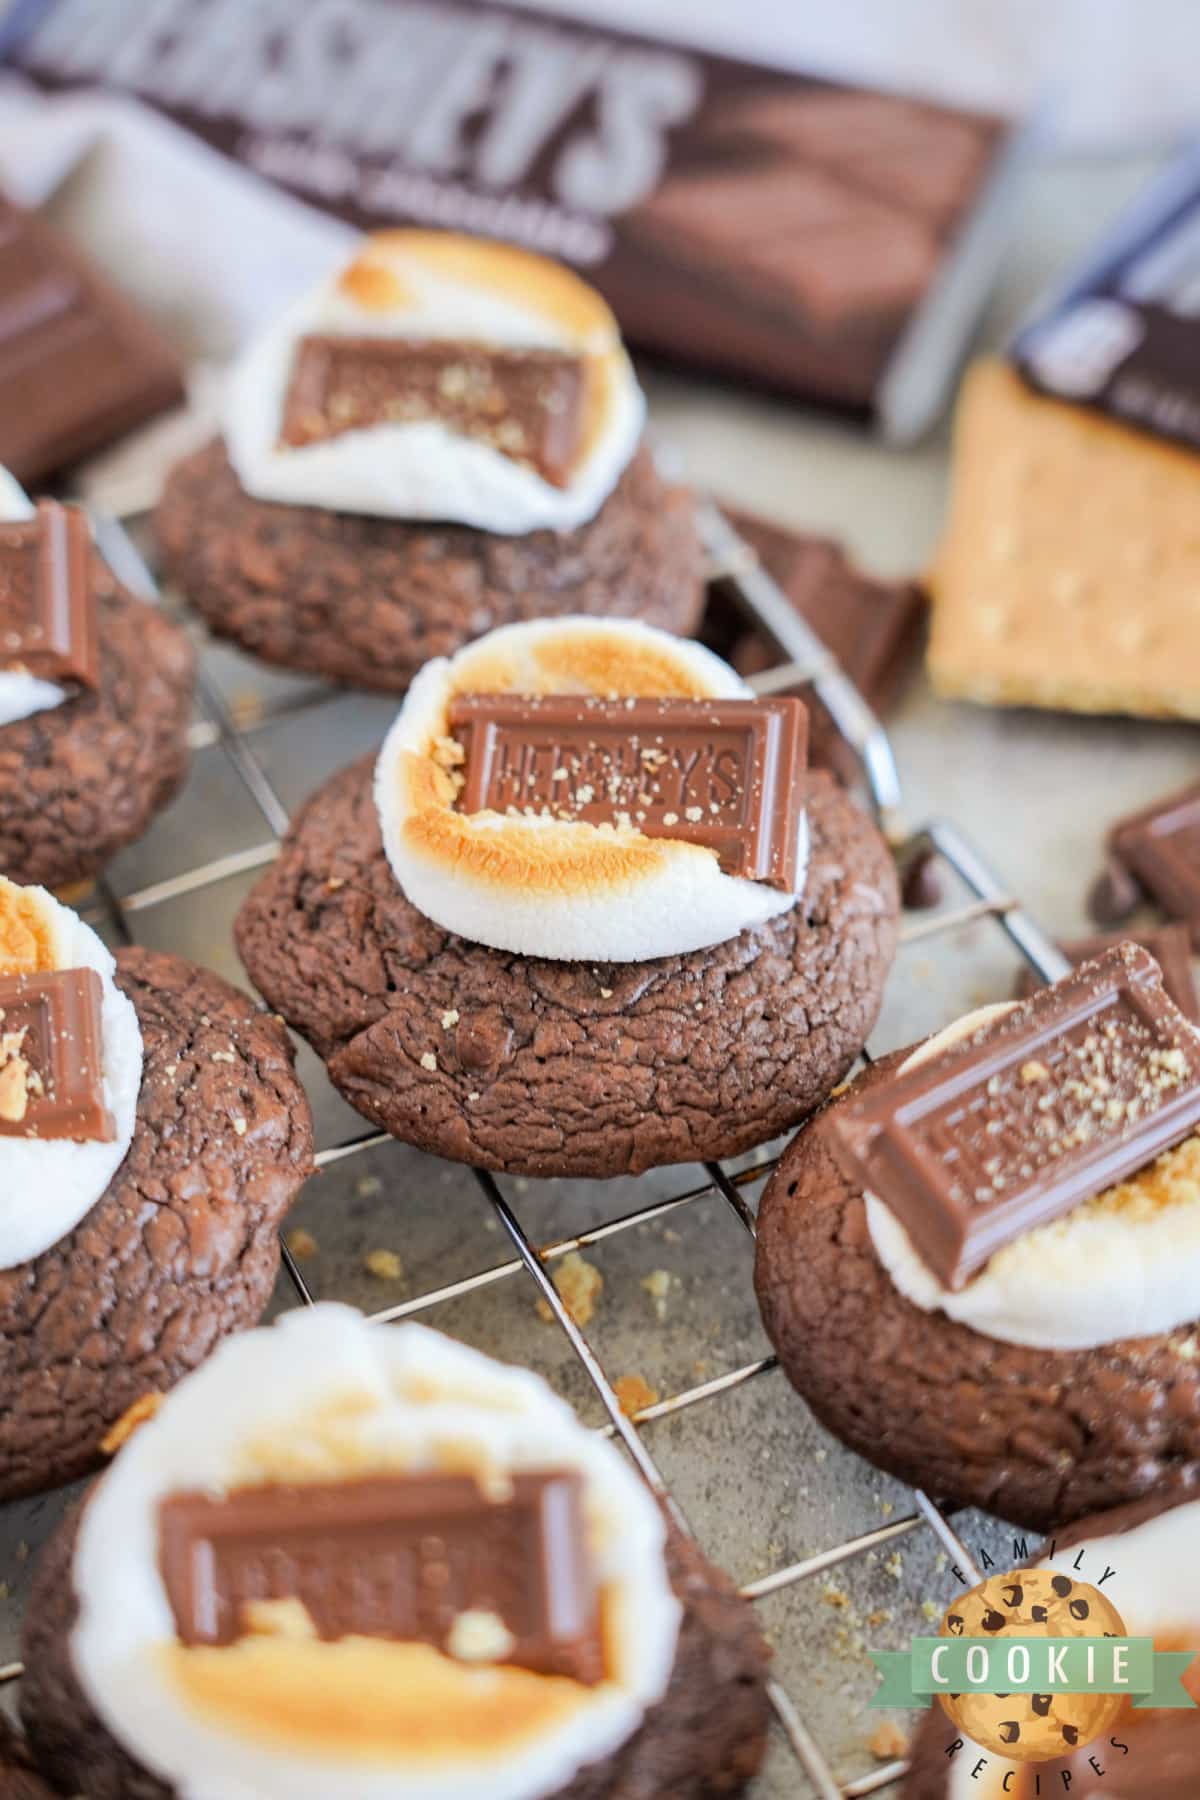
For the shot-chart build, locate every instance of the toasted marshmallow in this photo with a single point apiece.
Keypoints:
(47, 1185)
(546, 887)
(324, 1396)
(432, 285)
(21, 694)
(1123, 1264)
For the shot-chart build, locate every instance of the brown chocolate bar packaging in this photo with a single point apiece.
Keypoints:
(763, 224)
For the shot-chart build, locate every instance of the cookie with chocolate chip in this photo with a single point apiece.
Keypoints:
(367, 601)
(541, 1067)
(180, 1249)
(80, 780)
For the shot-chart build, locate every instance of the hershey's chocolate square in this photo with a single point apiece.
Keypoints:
(392, 1556)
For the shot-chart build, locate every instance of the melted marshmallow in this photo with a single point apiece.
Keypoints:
(415, 284)
(320, 1396)
(47, 1185)
(1124, 1264)
(21, 694)
(541, 886)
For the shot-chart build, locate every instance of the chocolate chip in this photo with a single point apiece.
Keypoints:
(1014, 1595)
(921, 886)
(1071, 1733)
(993, 1620)
(1062, 1586)
(1010, 1731)
(1042, 1704)
(1079, 1609)
(1039, 1615)
(954, 1624)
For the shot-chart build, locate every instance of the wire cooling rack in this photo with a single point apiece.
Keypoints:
(805, 664)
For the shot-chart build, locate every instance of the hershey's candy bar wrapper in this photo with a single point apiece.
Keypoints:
(762, 224)
(1124, 333)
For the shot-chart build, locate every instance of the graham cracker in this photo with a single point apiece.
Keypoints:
(1069, 572)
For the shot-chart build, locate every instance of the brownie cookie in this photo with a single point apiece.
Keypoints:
(383, 493)
(126, 1258)
(1061, 1378)
(549, 1064)
(93, 734)
(686, 1713)
(1147, 1551)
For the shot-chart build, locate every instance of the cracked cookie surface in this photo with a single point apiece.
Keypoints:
(368, 601)
(1040, 1437)
(180, 1250)
(82, 780)
(704, 1739)
(545, 1068)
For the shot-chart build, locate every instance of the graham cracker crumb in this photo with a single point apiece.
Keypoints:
(887, 1742)
(385, 1265)
(579, 1284)
(634, 1394)
(143, 1408)
(302, 1244)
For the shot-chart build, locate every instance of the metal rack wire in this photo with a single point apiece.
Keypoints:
(806, 664)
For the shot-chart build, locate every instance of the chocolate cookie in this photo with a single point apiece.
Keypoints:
(85, 778)
(180, 1250)
(367, 600)
(538, 1067)
(1041, 1437)
(1161, 1751)
(18, 1778)
(706, 1736)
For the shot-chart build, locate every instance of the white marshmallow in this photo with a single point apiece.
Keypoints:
(21, 694)
(539, 886)
(47, 1185)
(413, 284)
(324, 1395)
(1102, 1272)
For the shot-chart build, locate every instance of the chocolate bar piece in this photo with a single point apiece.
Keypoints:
(1064, 1096)
(48, 622)
(51, 1057)
(79, 365)
(800, 237)
(528, 404)
(1169, 945)
(873, 627)
(728, 774)
(1156, 851)
(395, 1556)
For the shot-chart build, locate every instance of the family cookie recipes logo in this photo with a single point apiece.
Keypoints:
(1032, 1666)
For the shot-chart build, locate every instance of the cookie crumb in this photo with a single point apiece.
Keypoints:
(143, 1408)
(834, 1596)
(895, 1565)
(384, 1265)
(302, 1244)
(887, 1742)
(634, 1394)
(931, 1609)
(368, 1185)
(606, 993)
(429, 1060)
(1034, 1071)
(579, 1284)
